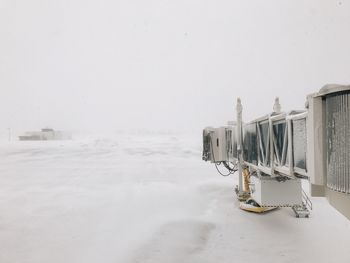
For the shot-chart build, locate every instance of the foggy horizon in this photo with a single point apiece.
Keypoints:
(162, 65)
(115, 143)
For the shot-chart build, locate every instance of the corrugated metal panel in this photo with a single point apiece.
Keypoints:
(338, 141)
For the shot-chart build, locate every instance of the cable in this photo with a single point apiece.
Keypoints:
(216, 166)
(231, 170)
(226, 164)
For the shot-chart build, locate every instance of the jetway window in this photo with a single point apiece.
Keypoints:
(264, 137)
(250, 150)
(281, 142)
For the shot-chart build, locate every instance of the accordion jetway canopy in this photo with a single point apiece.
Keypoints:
(328, 145)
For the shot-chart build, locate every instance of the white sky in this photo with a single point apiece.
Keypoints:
(161, 64)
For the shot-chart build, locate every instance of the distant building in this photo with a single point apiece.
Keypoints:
(45, 135)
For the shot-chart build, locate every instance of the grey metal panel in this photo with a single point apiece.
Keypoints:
(299, 143)
(338, 141)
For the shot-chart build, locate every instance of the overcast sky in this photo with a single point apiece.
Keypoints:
(164, 64)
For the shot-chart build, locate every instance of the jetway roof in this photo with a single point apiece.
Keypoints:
(331, 88)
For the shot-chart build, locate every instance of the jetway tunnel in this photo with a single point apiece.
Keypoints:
(312, 144)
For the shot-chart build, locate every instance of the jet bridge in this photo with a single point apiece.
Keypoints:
(270, 151)
(275, 152)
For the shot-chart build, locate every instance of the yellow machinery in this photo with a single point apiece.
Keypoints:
(247, 203)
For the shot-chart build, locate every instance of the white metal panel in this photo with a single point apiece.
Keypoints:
(331, 88)
(218, 144)
(270, 192)
(315, 141)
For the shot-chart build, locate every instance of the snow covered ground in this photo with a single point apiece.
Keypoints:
(144, 198)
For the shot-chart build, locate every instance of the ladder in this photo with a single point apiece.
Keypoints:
(303, 209)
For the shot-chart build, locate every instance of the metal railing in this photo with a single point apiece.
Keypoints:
(306, 200)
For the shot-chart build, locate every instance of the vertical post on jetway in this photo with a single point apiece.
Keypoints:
(239, 109)
(276, 109)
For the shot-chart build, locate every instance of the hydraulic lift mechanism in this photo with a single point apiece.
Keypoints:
(274, 153)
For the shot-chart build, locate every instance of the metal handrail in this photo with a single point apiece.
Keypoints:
(307, 200)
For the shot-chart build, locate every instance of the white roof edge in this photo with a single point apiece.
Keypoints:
(329, 89)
